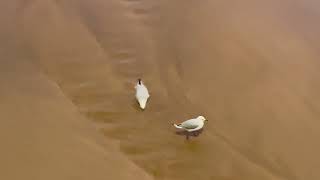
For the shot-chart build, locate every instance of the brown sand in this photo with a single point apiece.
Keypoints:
(250, 67)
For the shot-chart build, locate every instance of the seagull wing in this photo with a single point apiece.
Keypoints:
(190, 124)
(142, 91)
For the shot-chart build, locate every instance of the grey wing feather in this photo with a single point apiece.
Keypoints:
(189, 124)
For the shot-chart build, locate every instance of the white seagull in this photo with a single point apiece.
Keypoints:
(142, 94)
(192, 124)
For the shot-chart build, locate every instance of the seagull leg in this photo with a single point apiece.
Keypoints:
(187, 136)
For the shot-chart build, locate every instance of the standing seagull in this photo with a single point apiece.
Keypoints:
(142, 94)
(191, 125)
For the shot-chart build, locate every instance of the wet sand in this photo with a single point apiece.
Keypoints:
(69, 67)
(43, 136)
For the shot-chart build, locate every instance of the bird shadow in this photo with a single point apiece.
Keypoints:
(189, 134)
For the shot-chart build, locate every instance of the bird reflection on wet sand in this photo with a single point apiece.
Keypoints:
(188, 134)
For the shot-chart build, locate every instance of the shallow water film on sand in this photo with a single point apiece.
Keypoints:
(67, 99)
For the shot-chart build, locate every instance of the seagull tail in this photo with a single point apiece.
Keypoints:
(177, 126)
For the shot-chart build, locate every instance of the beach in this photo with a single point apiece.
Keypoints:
(68, 71)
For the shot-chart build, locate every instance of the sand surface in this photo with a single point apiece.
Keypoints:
(68, 70)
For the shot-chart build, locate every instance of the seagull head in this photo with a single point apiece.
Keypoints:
(202, 118)
(139, 81)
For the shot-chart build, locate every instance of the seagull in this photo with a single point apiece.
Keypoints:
(142, 94)
(192, 125)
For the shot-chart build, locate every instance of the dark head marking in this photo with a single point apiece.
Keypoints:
(139, 81)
